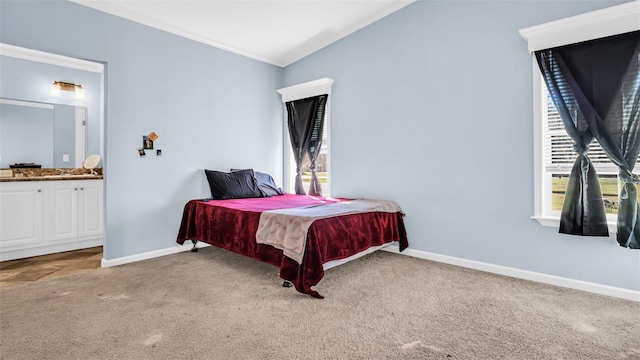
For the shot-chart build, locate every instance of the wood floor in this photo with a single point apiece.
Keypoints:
(21, 271)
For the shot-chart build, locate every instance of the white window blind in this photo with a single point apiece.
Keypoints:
(559, 154)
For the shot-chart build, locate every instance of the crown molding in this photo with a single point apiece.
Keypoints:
(592, 25)
(110, 7)
(48, 58)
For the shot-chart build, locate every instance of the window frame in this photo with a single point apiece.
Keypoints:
(593, 25)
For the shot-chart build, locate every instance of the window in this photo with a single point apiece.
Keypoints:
(553, 149)
(558, 157)
(323, 163)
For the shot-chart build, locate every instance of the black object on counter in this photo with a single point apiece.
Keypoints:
(25, 165)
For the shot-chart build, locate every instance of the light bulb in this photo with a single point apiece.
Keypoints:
(79, 92)
(54, 89)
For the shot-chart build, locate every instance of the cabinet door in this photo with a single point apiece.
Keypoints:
(91, 218)
(21, 214)
(62, 221)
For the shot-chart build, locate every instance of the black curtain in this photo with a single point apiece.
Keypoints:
(306, 123)
(595, 86)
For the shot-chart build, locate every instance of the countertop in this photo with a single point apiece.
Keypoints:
(51, 178)
(26, 174)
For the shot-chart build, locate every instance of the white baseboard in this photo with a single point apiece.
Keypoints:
(522, 274)
(151, 254)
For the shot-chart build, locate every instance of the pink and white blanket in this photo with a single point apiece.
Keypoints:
(286, 229)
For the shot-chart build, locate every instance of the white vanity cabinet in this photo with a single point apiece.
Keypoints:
(42, 217)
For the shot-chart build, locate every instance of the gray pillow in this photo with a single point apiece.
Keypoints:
(266, 183)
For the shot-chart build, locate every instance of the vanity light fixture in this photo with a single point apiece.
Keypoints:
(61, 85)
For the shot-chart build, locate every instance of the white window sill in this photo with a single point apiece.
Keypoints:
(552, 221)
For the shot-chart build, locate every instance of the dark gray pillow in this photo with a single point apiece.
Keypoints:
(266, 183)
(239, 184)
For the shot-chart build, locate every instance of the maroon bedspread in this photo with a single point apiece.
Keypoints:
(232, 225)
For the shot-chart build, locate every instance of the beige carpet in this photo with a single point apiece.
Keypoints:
(217, 305)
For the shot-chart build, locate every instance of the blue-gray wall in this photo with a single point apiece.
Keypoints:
(211, 109)
(432, 107)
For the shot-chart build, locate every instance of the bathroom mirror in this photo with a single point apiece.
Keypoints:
(51, 135)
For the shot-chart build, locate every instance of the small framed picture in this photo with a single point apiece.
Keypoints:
(147, 143)
(141, 152)
(158, 152)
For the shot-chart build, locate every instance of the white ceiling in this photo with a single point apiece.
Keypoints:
(278, 32)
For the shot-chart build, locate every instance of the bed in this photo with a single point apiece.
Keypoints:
(333, 237)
